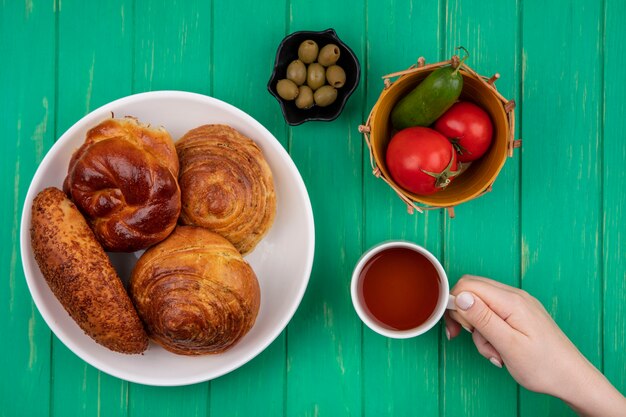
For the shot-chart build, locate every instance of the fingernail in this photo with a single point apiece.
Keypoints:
(495, 362)
(447, 333)
(467, 329)
(464, 300)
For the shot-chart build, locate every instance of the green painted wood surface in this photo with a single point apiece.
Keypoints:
(399, 376)
(552, 224)
(27, 80)
(613, 197)
(484, 237)
(561, 184)
(324, 338)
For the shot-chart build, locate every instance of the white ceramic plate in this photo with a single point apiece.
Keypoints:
(282, 260)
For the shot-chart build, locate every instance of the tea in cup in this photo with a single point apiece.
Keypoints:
(400, 290)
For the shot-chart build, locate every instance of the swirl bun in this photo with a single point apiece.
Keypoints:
(124, 180)
(195, 293)
(226, 185)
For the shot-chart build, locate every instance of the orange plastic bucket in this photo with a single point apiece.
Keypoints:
(481, 174)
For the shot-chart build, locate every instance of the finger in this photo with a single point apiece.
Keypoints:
(499, 299)
(462, 322)
(486, 349)
(453, 328)
(474, 310)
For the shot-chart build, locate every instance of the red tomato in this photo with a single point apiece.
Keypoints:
(421, 160)
(469, 129)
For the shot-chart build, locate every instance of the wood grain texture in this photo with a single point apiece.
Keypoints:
(172, 52)
(561, 177)
(191, 400)
(245, 64)
(483, 238)
(27, 103)
(85, 70)
(614, 196)
(324, 337)
(553, 223)
(172, 48)
(79, 389)
(399, 376)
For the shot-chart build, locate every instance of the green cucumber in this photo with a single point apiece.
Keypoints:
(429, 100)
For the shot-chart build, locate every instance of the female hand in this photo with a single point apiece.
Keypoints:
(511, 327)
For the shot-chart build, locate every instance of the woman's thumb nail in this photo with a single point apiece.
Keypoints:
(464, 300)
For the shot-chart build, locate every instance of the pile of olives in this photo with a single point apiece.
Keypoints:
(314, 77)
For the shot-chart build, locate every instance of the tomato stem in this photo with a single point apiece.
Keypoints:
(456, 142)
(444, 178)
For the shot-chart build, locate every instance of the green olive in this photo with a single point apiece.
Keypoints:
(296, 72)
(328, 55)
(307, 51)
(325, 96)
(315, 76)
(305, 97)
(287, 89)
(336, 76)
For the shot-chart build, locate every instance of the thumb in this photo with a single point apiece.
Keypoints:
(493, 328)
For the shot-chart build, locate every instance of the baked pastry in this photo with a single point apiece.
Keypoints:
(81, 276)
(124, 180)
(226, 185)
(195, 293)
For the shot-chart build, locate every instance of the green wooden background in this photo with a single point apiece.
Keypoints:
(552, 225)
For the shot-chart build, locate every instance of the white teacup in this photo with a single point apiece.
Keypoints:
(445, 300)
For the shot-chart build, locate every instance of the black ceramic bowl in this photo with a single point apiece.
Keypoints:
(288, 51)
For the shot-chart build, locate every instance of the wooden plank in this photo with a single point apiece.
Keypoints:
(88, 77)
(257, 388)
(324, 338)
(614, 196)
(27, 127)
(561, 174)
(245, 59)
(172, 45)
(95, 57)
(79, 389)
(483, 238)
(399, 376)
(172, 51)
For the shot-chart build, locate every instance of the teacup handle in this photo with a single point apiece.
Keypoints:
(451, 304)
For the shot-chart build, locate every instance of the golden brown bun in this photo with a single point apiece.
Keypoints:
(124, 180)
(226, 185)
(81, 276)
(195, 292)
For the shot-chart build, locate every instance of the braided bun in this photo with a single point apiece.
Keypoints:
(124, 180)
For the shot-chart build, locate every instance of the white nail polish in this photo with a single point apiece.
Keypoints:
(464, 300)
(495, 362)
(447, 334)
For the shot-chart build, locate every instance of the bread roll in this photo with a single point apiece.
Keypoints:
(81, 276)
(195, 292)
(124, 180)
(226, 185)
